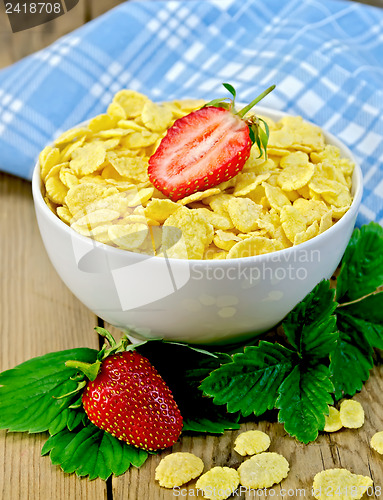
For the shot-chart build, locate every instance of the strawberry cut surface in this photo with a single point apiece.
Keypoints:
(131, 401)
(201, 150)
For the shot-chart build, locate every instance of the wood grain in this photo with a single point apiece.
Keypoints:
(15, 46)
(39, 315)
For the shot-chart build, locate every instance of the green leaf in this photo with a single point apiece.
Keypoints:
(219, 103)
(264, 135)
(311, 326)
(28, 392)
(251, 382)
(362, 265)
(367, 318)
(92, 452)
(252, 135)
(218, 424)
(231, 89)
(303, 401)
(351, 361)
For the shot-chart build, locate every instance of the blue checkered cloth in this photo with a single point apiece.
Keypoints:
(325, 56)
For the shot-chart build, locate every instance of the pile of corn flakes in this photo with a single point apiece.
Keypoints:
(95, 180)
(264, 469)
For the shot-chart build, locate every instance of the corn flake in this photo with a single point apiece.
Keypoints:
(178, 468)
(340, 484)
(82, 195)
(55, 189)
(116, 111)
(71, 135)
(50, 204)
(137, 140)
(312, 210)
(218, 203)
(325, 222)
(134, 169)
(66, 153)
(102, 122)
(332, 421)
(199, 195)
(218, 483)
(225, 240)
(49, 157)
(247, 182)
(293, 222)
(296, 173)
(97, 218)
(263, 470)
(132, 102)
(64, 214)
(160, 210)
(308, 234)
(276, 197)
(251, 442)
(255, 245)
(186, 230)
(218, 221)
(156, 118)
(244, 213)
(128, 237)
(87, 158)
(67, 177)
(351, 414)
(377, 442)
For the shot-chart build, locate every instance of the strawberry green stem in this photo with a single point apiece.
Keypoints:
(104, 333)
(80, 386)
(89, 370)
(247, 108)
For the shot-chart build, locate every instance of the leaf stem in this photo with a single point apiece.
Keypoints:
(344, 304)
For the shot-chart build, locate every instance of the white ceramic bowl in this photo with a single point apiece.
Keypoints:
(193, 301)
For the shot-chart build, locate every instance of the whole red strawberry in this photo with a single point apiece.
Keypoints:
(130, 400)
(206, 147)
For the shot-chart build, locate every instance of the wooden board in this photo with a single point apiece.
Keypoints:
(39, 315)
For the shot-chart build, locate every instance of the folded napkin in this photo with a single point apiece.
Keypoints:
(325, 56)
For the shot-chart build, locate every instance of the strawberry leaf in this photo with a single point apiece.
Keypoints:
(250, 383)
(366, 316)
(311, 326)
(351, 361)
(217, 425)
(92, 452)
(231, 89)
(29, 392)
(303, 401)
(263, 135)
(219, 103)
(362, 264)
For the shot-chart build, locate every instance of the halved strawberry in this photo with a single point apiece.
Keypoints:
(206, 147)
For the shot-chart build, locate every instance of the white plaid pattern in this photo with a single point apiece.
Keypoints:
(325, 57)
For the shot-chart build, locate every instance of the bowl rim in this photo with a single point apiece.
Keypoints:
(262, 110)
